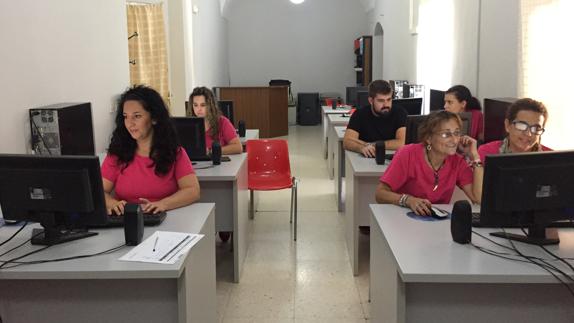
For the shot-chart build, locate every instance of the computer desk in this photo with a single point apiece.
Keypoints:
(334, 120)
(418, 274)
(104, 289)
(226, 186)
(361, 179)
(249, 135)
(339, 165)
(325, 111)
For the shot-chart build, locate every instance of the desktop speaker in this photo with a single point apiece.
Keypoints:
(241, 128)
(133, 224)
(334, 104)
(380, 152)
(460, 222)
(216, 153)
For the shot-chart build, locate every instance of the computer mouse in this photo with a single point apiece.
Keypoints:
(438, 213)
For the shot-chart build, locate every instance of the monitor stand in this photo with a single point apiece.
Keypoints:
(537, 235)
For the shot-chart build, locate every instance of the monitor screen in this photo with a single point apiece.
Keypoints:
(226, 107)
(63, 193)
(494, 115)
(436, 100)
(362, 99)
(351, 94)
(191, 134)
(413, 123)
(529, 190)
(413, 106)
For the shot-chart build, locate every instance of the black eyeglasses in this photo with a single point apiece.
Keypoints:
(523, 126)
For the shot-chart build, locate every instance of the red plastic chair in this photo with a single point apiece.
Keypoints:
(269, 169)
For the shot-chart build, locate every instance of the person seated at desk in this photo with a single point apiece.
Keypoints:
(524, 124)
(458, 99)
(425, 173)
(145, 163)
(217, 126)
(379, 121)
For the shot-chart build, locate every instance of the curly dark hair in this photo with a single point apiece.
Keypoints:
(212, 112)
(164, 143)
(526, 104)
(462, 93)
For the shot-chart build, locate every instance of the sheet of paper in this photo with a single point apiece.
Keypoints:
(163, 247)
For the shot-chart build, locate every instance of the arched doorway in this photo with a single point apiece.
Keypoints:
(378, 52)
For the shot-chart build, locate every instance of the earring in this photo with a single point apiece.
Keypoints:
(429, 147)
(153, 123)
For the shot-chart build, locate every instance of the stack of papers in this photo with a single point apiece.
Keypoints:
(163, 247)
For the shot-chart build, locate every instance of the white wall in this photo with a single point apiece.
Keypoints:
(60, 51)
(498, 53)
(310, 44)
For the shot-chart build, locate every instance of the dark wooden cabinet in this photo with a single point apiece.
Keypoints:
(364, 60)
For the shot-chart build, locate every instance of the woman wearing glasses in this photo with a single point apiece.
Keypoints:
(524, 124)
(426, 173)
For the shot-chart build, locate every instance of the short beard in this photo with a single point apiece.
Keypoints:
(382, 114)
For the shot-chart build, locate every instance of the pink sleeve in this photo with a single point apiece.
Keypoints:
(477, 124)
(464, 176)
(397, 173)
(110, 168)
(490, 148)
(183, 165)
(226, 131)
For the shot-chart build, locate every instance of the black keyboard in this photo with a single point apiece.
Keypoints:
(150, 219)
(557, 224)
(200, 158)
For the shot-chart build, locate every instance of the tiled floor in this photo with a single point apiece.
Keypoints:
(305, 281)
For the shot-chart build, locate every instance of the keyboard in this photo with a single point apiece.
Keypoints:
(200, 158)
(150, 219)
(557, 224)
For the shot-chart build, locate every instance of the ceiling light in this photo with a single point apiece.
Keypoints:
(297, 1)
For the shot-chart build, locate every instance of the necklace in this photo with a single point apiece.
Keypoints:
(435, 171)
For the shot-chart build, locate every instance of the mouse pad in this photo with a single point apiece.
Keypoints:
(413, 215)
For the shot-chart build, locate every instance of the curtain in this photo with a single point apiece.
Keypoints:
(147, 49)
(546, 65)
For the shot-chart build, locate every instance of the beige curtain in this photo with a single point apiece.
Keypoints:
(147, 49)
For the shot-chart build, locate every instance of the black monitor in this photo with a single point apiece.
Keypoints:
(494, 115)
(351, 94)
(412, 131)
(413, 106)
(191, 134)
(226, 107)
(362, 99)
(436, 100)
(529, 190)
(466, 118)
(63, 193)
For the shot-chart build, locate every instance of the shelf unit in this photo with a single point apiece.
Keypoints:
(364, 60)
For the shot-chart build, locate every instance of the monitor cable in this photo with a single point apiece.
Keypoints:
(14, 235)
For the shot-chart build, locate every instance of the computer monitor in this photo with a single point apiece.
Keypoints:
(362, 99)
(412, 131)
(436, 100)
(351, 94)
(494, 115)
(191, 134)
(226, 107)
(466, 118)
(529, 190)
(413, 106)
(63, 193)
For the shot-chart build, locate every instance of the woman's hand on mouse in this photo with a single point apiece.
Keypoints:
(419, 206)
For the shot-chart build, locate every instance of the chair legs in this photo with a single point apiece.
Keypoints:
(251, 205)
(294, 207)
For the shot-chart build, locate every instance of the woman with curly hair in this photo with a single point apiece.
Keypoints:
(145, 163)
(217, 127)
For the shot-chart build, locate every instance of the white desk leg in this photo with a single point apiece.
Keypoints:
(325, 134)
(241, 225)
(351, 227)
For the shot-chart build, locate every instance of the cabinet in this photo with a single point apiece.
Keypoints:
(364, 60)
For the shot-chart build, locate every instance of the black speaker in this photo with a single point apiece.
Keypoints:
(380, 151)
(241, 128)
(460, 222)
(133, 224)
(216, 153)
(308, 109)
(334, 104)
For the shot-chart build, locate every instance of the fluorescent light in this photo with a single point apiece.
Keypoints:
(297, 1)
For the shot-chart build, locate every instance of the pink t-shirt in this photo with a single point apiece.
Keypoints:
(493, 148)
(139, 180)
(477, 124)
(409, 173)
(226, 133)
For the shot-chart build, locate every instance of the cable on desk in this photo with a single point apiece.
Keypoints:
(15, 234)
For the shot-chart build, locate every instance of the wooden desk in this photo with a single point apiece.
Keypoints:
(418, 274)
(104, 289)
(226, 186)
(263, 108)
(326, 110)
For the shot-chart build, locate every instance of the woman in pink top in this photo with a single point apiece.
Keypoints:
(458, 99)
(426, 173)
(217, 127)
(524, 124)
(145, 163)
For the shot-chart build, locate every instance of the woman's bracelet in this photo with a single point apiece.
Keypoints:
(403, 200)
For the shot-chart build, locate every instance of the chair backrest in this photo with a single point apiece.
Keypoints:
(268, 156)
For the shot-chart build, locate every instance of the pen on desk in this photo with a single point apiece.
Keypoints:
(155, 243)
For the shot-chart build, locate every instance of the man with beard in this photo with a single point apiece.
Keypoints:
(379, 121)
